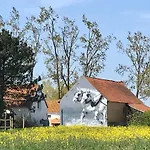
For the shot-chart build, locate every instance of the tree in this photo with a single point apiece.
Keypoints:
(13, 23)
(69, 35)
(95, 46)
(30, 32)
(48, 19)
(146, 89)
(49, 90)
(138, 53)
(33, 33)
(16, 62)
(59, 45)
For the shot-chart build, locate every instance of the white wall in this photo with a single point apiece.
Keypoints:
(40, 112)
(53, 116)
(72, 111)
(21, 111)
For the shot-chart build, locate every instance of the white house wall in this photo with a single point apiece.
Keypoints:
(21, 111)
(52, 116)
(40, 112)
(71, 112)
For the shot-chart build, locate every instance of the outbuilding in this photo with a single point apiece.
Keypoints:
(53, 112)
(95, 101)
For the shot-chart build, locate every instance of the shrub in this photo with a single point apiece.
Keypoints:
(139, 118)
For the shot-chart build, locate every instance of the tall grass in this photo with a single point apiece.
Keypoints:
(76, 138)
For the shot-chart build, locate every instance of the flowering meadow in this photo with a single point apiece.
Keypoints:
(76, 138)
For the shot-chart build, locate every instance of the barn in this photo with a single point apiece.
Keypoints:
(27, 102)
(99, 102)
(53, 112)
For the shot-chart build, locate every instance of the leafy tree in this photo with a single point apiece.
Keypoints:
(94, 49)
(48, 20)
(33, 33)
(140, 118)
(59, 45)
(16, 62)
(69, 35)
(138, 53)
(13, 23)
(30, 32)
(49, 90)
(146, 90)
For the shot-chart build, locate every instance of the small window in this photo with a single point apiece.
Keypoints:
(39, 105)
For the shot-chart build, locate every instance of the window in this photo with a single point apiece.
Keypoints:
(39, 104)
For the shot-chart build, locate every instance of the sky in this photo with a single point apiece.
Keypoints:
(113, 16)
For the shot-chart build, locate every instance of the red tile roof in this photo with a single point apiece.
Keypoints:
(140, 107)
(115, 91)
(53, 106)
(16, 96)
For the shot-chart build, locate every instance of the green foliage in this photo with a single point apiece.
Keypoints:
(58, 45)
(138, 53)
(16, 62)
(69, 35)
(16, 59)
(52, 42)
(139, 118)
(50, 92)
(94, 50)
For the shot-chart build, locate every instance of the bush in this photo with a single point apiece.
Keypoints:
(139, 118)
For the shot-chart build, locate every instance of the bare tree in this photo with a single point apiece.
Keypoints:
(52, 42)
(13, 24)
(94, 49)
(69, 35)
(138, 52)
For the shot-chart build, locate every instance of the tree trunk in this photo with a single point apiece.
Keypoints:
(68, 76)
(57, 74)
(137, 93)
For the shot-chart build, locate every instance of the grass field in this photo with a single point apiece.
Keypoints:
(76, 138)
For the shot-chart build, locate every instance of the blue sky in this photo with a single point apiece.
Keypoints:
(113, 16)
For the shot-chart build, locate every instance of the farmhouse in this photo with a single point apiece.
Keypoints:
(53, 112)
(94, 101)
(27, 102)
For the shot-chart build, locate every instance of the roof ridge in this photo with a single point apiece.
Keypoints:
(104, 79)
(117, 88)
(52, 100)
